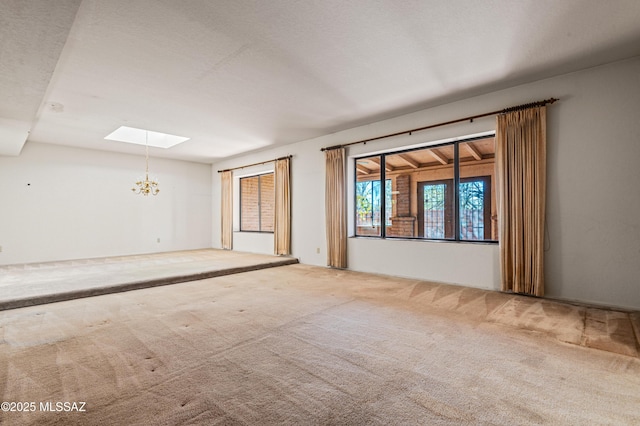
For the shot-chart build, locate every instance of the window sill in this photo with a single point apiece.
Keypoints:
(376, 237)
(253, 232)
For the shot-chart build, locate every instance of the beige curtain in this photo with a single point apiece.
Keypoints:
(282, 228)
(521, 182)
(226, 213)
(336, 216)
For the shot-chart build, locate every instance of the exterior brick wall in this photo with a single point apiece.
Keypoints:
(368, 230)
(402, 227)
(402, 224)
(249, 204)
(403, 198)
(267, 202)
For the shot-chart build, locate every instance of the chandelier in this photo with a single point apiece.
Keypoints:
(146, 186)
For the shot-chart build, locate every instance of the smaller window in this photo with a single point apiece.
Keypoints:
(257, 203)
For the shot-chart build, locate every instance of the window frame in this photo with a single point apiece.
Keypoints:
(456, 191)
(240, 210)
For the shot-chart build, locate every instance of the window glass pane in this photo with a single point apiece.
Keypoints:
(364, 197)
(249, 213)
(267, 202)
(434, 210)
(422, 192)
(478, 210)
(472, 198)
(375, 202)
(368, 196)
(388, 203)
(409, 171)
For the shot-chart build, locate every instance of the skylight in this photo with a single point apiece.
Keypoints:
(142, 136)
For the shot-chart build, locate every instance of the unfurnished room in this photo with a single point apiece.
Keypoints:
(319, 212)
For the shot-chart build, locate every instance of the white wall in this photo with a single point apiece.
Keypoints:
(68, 203)
(593, 243)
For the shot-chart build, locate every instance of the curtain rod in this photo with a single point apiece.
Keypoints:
(255, 164)
(471, 118)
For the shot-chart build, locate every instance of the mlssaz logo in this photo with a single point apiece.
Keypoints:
(63, 406)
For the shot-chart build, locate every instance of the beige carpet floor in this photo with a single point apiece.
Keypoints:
(303, 345)
(30, 284)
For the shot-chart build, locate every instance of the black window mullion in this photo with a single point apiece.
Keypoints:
(240, 202)
(259, 204)
(373, 213)
(355, 197)
(456, 191)
(383, 195)
(487, 207)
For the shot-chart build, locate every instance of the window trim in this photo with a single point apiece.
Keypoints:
(456, 178)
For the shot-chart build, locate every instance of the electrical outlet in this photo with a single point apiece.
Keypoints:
(158, 239)
(0, 249)
(318, 250)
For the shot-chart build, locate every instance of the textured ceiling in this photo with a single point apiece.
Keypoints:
(241, 75)
(32, 36)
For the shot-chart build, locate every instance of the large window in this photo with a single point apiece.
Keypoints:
(443, 192)
(257, 203)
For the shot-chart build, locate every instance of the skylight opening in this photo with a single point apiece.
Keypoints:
(142, 137)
